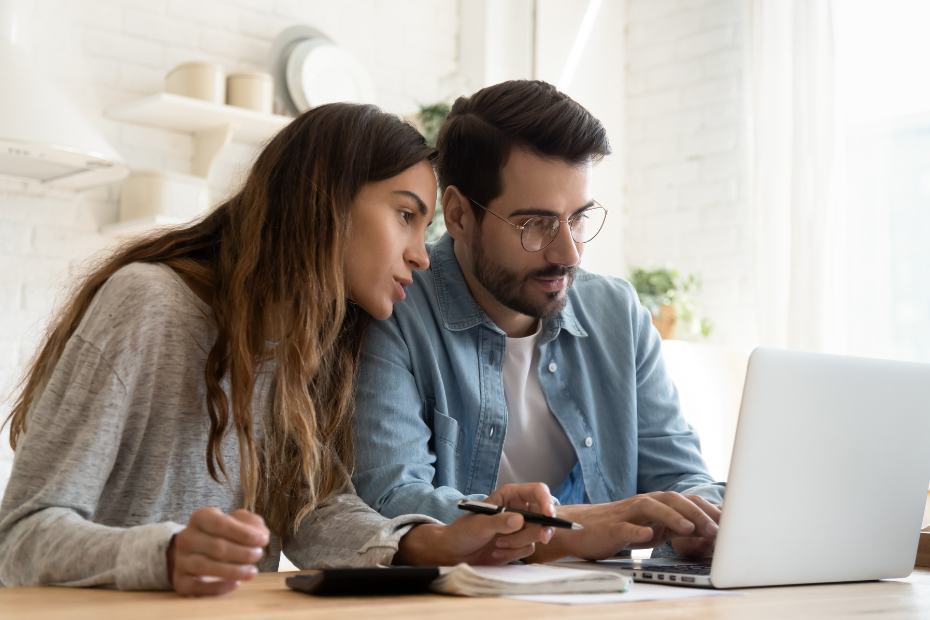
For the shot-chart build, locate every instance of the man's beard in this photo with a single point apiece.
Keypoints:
(509, 288)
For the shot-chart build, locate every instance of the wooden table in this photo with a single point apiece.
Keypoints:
(267, 597)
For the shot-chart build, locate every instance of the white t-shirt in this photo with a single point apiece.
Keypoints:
(536, 448)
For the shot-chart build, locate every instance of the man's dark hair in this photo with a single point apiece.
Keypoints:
(481, 130)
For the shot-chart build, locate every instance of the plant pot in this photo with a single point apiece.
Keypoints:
(666, 322)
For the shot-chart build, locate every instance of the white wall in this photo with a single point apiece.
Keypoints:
(103, 52)
(598, 85)
(686, 152)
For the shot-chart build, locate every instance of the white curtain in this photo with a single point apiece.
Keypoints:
(798, 243)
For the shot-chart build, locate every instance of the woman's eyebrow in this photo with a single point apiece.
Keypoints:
(420, 204)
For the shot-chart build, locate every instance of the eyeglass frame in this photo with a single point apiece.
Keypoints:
(552, 237)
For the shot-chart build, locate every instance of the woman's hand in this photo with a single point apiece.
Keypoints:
(482, 539)
(216, 551)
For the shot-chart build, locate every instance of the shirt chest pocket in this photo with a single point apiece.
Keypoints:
(446, 442)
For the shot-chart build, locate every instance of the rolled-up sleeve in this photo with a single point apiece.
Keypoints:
(343, 532)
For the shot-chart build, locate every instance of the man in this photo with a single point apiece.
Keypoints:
(507, 363)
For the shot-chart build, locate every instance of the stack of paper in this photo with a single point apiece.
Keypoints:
(464, 580)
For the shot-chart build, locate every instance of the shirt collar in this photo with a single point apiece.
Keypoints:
(460, 311)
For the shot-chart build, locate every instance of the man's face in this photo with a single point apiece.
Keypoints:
(531, 283)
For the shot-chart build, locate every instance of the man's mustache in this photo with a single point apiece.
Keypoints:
(555, 271)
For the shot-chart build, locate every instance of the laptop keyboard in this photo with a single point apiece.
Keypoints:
(703, 571)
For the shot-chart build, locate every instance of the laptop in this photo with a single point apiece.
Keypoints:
(828, 479)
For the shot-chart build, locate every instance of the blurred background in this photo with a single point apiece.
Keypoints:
(769, 183)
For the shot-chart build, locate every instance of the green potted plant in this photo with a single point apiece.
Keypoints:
(672, 300)
(430, 118)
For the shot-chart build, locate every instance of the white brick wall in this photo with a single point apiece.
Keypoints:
(685, 149)
(102, 52)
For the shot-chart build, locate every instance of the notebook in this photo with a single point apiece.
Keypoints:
(461, 580)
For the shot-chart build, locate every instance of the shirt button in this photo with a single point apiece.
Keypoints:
(552, 367)
(588, 442)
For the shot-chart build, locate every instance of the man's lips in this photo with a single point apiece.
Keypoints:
(551, 284)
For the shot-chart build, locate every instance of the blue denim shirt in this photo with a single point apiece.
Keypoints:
(431, 414)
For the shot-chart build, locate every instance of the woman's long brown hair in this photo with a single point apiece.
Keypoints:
(272, 259)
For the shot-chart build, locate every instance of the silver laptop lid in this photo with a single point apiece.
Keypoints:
(829, 473)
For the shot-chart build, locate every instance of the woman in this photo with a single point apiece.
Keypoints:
(205, 375)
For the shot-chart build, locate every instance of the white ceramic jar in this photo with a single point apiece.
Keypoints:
(158, 193)
(253, 90)
(200, 80)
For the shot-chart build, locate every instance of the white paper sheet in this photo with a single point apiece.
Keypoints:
(638, 592)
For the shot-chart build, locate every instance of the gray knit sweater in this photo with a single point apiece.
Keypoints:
(114, 460)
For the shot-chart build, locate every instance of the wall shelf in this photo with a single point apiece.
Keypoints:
(194, 115)
(212, 125)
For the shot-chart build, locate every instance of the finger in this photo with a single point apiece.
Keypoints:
(648, 510)
(703, 524)
(711, 510)
(486, 527)
(202, 566)
(250, 518)
(224, 526)
(503, 556)
(218, 549)
(527, 536)
(631, 532)
(190, 585)
(534, 497)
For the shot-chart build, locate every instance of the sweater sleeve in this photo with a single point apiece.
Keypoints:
(62, 463)
(344, 532)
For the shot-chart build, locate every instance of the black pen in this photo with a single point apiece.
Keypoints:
(528, 517)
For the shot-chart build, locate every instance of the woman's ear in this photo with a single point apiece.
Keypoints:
(457, 213)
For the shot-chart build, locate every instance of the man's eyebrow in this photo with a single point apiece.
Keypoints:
(420, 204)
(537, 211)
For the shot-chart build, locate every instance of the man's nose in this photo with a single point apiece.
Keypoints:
(563, 250)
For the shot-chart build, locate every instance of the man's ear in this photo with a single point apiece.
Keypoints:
(458, 214)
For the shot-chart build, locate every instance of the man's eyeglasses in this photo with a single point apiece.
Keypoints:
(538, 232)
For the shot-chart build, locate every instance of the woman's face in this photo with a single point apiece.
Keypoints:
(387, 242)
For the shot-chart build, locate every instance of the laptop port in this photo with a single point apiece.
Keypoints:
(671, 577)
(647, 575)
(661, 576)
(688, 579)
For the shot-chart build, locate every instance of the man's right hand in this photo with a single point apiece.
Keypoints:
(639, 522)
(216, 551)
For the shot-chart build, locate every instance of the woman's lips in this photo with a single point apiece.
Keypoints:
(399, 285)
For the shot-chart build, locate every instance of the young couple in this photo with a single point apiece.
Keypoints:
(229, 376)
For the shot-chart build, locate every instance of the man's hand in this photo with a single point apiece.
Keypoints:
(698, 546)
(482, 539)
(639, 522)
(216, 551)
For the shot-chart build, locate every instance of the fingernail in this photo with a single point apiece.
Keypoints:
(513, 521)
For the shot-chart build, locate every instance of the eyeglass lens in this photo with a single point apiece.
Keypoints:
(540, 231)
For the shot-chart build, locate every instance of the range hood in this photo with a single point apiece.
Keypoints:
(43, 137)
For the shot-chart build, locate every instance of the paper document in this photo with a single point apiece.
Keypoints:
(637, 592)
